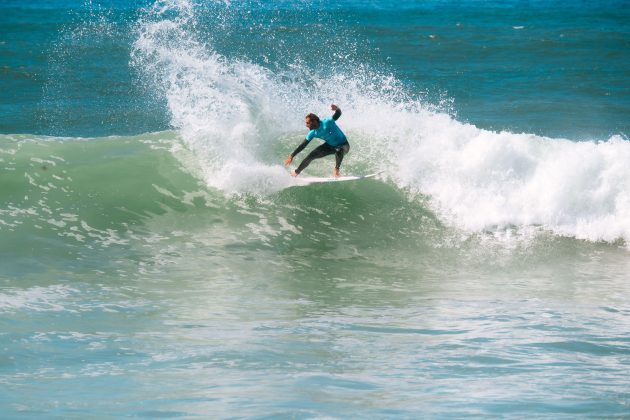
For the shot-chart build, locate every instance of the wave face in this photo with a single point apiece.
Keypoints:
(63, 198)
(240, 118)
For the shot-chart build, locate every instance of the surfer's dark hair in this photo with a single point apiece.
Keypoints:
(312, 117)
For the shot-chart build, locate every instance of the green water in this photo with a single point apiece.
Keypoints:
(147, 294)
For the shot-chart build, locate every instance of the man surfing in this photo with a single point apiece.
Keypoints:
(335, 141)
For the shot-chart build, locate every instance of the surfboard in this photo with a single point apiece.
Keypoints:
(308, 180)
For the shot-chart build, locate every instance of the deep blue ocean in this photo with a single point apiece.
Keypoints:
(157, 260)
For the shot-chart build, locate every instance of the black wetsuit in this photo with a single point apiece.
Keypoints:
(323, 150)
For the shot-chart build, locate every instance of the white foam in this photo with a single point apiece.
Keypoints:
(233, 115)
(50, 298)
(483, 180)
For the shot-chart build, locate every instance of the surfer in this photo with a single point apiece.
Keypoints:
(335, 141)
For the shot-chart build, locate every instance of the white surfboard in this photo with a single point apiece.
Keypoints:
(308, 180)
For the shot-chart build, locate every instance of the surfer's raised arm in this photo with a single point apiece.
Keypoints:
(337, 113)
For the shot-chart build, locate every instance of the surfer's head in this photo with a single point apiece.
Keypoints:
(312, 121)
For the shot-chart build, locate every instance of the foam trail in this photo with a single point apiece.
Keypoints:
(232, 114)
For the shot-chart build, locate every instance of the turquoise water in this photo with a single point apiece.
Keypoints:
(157, 261)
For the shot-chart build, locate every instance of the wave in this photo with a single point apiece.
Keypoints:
(240, 119)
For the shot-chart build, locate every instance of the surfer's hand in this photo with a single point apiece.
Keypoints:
(289, 160)
(333, 107)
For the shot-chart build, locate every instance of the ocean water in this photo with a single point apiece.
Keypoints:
(156, 260)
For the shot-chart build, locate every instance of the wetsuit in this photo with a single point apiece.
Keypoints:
(335, 142)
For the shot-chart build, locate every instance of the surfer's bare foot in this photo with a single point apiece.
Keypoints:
(293, 173)
(336, 173)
